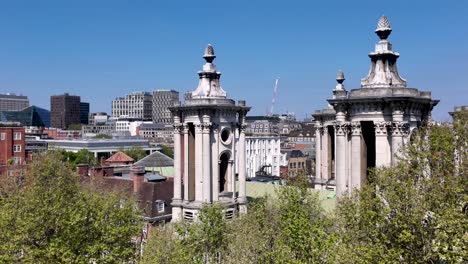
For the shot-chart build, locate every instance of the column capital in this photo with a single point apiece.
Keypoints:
(215, 127)
(242, 127)
(185, 129)
(178, 128)
(198, 128)
(342, 128)
(381, 128)
(399, 128)
(206, 127)
(356, 128)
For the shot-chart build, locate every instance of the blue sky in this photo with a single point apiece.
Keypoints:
(104, 49)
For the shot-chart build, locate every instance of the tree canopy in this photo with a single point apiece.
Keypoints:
(50, 216)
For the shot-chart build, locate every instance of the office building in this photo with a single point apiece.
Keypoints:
(13, 102)
(162, 100)
(134, 105)
(64, 110)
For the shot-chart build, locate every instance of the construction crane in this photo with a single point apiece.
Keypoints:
(273, 100)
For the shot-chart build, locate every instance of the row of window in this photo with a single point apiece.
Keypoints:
(299, 165)
(16, 136)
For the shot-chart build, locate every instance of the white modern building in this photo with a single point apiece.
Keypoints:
(133, 105)
(366, 127)
(209, 131)
(13, 102)
(129, 126)
(263, 154)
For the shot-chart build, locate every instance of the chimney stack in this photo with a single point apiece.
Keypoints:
(82, 169)
(137, 176)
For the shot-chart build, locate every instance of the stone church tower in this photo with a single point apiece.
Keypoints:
(366, 127)
(209, 132)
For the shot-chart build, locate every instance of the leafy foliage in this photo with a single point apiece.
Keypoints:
(168, 151)
(136, 153)
(105, 136)
(289, 229)
(83, 156)
(414, 212)
(49, 216)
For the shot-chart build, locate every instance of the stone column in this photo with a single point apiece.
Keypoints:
(356, 137)
(215, 163)
(325, 160)
(341, 129)
(198, 163)
(230, 177)
(382, 150)
(241, 150)
(177, 164)
(177, 198)
(186, 162)
(397, 140)
(318, 153)
(206, 163)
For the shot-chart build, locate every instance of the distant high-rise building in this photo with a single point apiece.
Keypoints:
(64, 110)
(84, 113)
(162, 99)
(30, 116)
(135, 105)
(13, 102)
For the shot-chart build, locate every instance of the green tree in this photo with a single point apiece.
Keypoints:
(137, 153)
(105, 136)
(414, 212)
(168, 151)
(49, 216)
(74, 127)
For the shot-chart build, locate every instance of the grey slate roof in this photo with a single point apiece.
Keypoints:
(155, 159)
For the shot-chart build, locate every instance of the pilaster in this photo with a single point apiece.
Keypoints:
(356, 153)
(198, 163)
(382, 147)
(206, 130)
(341, 130)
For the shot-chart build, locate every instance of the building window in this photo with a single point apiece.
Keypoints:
(17, 136)
(16, 148)
(2, 136)
(160, 206)
(16, 160)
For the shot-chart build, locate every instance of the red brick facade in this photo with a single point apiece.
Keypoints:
(12, 145)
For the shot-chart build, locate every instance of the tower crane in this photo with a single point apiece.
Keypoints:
(273, 100)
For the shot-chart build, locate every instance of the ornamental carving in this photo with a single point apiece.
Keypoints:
(381, 128)
(242, 127)
(178, 128)
(399, 129)
(341, 129)
(356, 128)
(206, 127)
(198, 128)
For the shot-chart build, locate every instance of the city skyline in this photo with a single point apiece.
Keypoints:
(106, 50)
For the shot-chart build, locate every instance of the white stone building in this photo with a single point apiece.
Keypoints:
(209, 130)
(263, 154)
(133, 105)
(366, 127)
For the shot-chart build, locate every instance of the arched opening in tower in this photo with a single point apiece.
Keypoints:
(191, 162)
(368, 149)
(223, 171)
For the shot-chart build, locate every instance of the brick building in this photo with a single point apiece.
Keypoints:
(12, 145)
